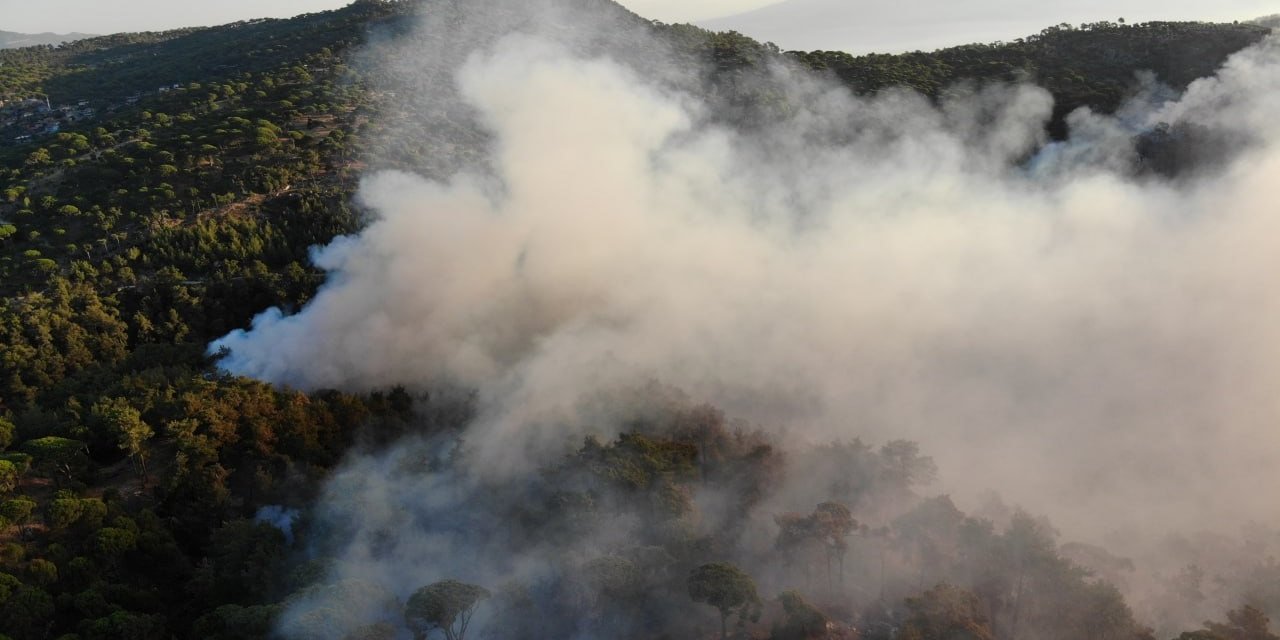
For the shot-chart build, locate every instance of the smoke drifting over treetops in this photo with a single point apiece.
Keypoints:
(1044, 318)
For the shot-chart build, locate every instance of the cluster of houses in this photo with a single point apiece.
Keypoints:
(23, 120)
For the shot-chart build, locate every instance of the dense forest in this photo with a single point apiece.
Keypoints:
(145, 493)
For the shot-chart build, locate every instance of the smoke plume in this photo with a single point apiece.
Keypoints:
(1047, 318)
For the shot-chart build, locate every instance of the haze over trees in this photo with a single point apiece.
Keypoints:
(134, 473)
(447, 606)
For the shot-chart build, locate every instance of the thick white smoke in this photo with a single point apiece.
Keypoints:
(1104, 347)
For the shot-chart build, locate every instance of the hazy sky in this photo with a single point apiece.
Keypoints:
(853, 25)
(113, 16)
(861, 26)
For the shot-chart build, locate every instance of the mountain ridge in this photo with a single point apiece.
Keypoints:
(15, 40)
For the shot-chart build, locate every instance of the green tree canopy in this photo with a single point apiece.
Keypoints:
(125, 424)
(728, 589)
(1245, 623)
(803, 620)
(945, 611)
(446, 605)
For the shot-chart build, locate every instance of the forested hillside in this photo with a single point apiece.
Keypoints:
(157, 190)
(1092, 65)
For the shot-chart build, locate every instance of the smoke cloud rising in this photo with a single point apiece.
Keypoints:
(1046, 318)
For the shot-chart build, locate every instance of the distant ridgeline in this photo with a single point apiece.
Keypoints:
(1091, 65)
(9, 39)
(121, 65)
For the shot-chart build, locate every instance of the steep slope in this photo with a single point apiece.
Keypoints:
(120, 65)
